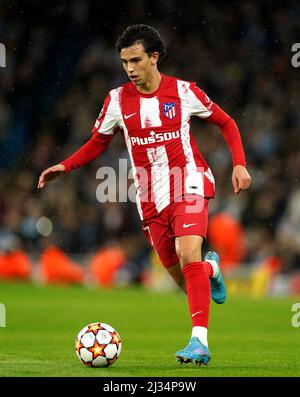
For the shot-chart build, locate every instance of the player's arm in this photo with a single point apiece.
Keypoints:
(88, 152)
(241, 179)
(202, 106)
(104, 130)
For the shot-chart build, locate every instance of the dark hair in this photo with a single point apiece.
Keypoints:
(143, 34)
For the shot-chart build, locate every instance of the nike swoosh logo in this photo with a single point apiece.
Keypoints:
(127, 116)
(189, 224)
(194, 314)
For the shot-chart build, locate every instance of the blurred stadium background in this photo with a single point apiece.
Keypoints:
(60, 64)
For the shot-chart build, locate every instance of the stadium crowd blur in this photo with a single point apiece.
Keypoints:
(61, 62)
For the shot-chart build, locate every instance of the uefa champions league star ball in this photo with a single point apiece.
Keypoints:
(98, 345)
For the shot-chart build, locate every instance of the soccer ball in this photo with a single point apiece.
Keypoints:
(98, 345)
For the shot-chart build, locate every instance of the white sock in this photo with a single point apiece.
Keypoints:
(214, 266)
(201, 334)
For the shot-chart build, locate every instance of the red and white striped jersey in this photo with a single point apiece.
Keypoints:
(166, 161)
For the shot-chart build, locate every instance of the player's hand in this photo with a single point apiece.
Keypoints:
(51, 173)
(241, 180)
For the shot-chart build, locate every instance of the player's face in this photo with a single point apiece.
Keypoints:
(138, 65)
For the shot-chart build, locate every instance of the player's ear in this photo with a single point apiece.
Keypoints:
(154, 58)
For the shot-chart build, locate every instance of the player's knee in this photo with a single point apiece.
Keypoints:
(189, 255)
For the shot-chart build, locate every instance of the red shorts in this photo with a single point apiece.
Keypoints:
(180, 218)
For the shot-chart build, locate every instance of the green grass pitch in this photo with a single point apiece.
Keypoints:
(247, 337)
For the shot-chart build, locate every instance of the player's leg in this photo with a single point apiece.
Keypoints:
(177, 275)
(218, 289)
(161, 238)
(197, 274)
(190, 229)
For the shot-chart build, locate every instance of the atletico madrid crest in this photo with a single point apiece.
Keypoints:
(169, 109)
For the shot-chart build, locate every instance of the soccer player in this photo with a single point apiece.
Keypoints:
(173, 181)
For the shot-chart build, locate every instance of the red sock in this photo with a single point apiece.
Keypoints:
(197, 275)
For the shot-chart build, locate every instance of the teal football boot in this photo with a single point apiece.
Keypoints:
(195, 352)
(217, 285)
